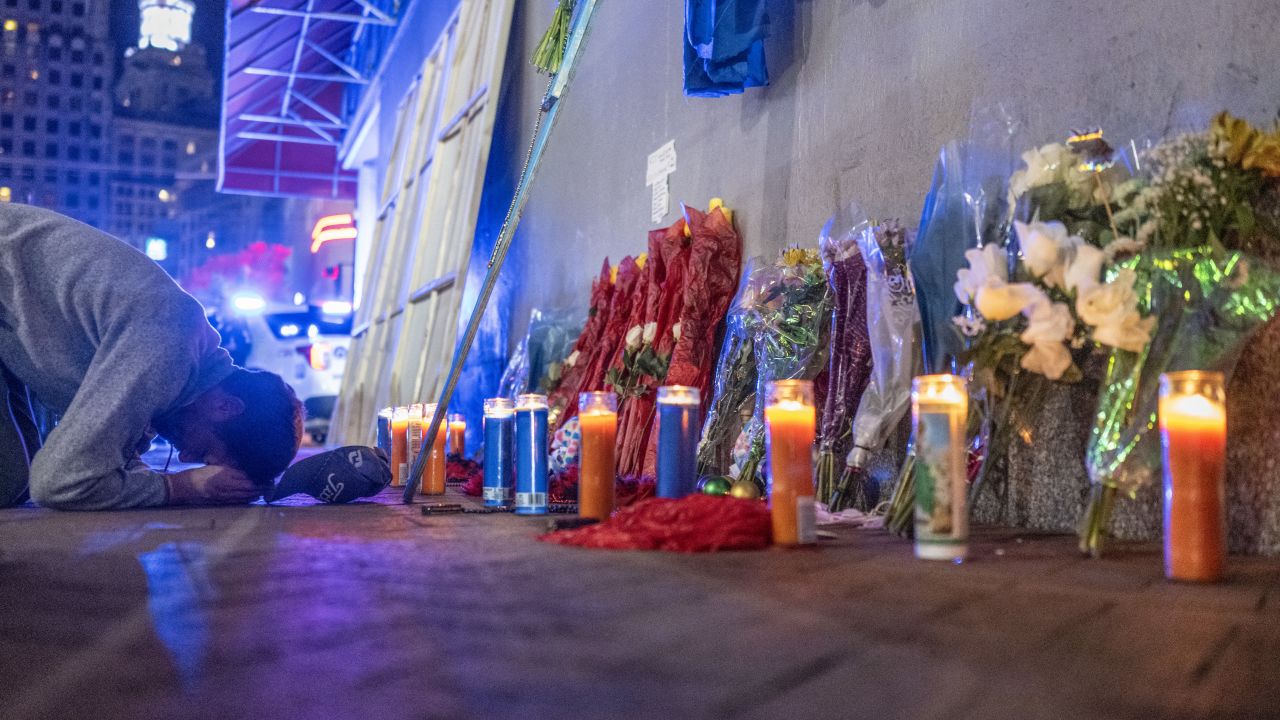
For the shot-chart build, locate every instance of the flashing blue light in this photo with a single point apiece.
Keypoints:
(335, 307)
(248, 302)
(157, 248)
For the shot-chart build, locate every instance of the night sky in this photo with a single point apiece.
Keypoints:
(207, 29)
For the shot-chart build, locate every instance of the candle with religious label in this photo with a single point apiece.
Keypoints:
(597, 469)
(413, 436)
(939, 411)
(383, 441)
(433, 473)
(679, 424)
(399, 429)
(790, 422)
(457, 434)
(531, 454)
(1193, 435)
(499, 451)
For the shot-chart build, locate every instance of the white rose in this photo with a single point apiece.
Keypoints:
(1001, 301)
(1049, 359)
(989, 262)
(1045, 248)
(1132, 334)
(1047, 322)
(675, 331)
(1044, 165)
(1084, 269)
(572, 359)
(650, 332)
(633, 337)
(1109, 303)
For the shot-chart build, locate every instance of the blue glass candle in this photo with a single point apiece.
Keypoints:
(499, 451)
(531, 455)
(384, 431)
(679, 424)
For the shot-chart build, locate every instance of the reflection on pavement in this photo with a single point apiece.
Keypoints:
(179, 594)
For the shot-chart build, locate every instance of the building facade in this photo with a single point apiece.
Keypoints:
(134, 156)
(56, 65)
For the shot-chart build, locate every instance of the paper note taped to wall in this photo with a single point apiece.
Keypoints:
(661, 203)
(662, 162)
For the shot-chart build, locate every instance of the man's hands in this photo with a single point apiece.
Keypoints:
(211, 485)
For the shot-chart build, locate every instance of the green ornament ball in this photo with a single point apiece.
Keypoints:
(717, 485)
(745, 490)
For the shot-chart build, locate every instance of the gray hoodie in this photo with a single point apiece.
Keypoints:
(100, 334)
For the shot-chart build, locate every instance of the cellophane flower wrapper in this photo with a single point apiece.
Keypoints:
(893, 323)
(849, 348)
(967, 205)
(734, 380)
(535, 364)
(790, 322)
(1208, 303)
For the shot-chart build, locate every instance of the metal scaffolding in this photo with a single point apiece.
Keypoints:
(286, 74)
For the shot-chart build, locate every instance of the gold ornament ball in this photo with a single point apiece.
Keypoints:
(745, 490)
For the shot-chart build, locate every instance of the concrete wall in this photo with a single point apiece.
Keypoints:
(863, 94)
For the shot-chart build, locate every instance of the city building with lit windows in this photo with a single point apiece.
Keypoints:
(56, 65)
(135, 157)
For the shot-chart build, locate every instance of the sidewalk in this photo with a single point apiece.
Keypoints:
(375, 611)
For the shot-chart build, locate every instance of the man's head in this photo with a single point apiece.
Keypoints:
(251, 421)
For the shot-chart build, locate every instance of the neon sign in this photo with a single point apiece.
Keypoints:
(332, 227)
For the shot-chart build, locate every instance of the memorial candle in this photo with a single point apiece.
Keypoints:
(457, 434)
(790, 421)
(433, 473)
(1193, 436)
(531, 454)
(499, 449)
(939, 412)
(597, 470)
(413, 437)
(679, 424)
(399, 429)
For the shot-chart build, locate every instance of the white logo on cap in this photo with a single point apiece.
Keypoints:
(331, 489)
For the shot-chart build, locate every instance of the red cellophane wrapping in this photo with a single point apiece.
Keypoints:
(668, 273)
(565, 397)
(715, 263)
(695, 523)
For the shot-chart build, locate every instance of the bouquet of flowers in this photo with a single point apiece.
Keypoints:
(893, 322)
(734, 382)
(849, 357)
(1208, 219)
(789, 321)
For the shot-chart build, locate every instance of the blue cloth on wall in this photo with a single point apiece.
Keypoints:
(724, 46)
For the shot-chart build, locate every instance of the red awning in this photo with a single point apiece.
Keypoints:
(284, 81)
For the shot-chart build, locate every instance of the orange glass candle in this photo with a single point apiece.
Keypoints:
(1193, 436)
(433, 474)
(399, 444)
(457, 434)
(597, 470)
(790, 422)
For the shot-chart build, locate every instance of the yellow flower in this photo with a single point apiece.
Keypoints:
(641, 259)
(613, 275)
(1264, 155)
(1237, 133)
(797, 256)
